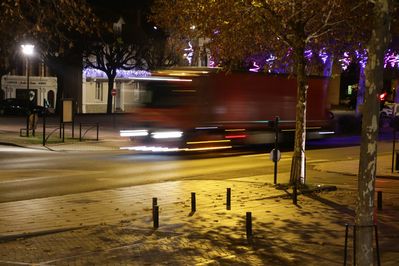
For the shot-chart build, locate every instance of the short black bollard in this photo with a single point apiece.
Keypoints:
(193, 202)
(155, 216)
(154, 202)
(346, 243)
(248, 226)
(377, 246)
(354, 244)
(379, 200)
(228, 199)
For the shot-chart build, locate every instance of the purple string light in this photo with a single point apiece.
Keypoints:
(391, 59)
(120, 73)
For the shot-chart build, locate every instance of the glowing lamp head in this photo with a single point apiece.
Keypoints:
(28, 49)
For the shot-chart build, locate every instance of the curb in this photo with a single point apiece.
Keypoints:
(26, 146)
(391, 177)
(11, 144)
(11, 237)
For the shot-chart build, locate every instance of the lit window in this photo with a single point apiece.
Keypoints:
(99, 91)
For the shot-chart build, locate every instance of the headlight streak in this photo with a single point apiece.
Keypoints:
(326, 132)
(167, 135)
(133, 133)
(167, 149)
(207, 141)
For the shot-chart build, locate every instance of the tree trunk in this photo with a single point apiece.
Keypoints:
(111, 79)
(368, 148)
(361, 89)
(298, 159)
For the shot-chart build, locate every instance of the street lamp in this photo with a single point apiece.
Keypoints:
(28, 51)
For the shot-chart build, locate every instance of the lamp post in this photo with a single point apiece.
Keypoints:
(28, 51)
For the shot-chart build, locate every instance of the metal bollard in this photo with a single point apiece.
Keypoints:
(193, 202)
(354, 244)
(379, 200)
(377, 246)
(154, 202)
(155, 212)
(295, 194)
(248, 223)
(346, 243)
(228, 199)
(155, 216)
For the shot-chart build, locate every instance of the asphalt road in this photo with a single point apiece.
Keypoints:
(29, 174)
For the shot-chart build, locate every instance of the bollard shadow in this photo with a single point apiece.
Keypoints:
(332, 204)
(290, 196)
(191, 213)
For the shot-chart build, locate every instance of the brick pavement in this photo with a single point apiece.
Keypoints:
(114, 227)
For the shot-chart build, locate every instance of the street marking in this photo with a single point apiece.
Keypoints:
(317, 161)
(266, 155)
(284, 158)
(51, 176)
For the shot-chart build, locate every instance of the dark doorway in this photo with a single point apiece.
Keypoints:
(50, 98)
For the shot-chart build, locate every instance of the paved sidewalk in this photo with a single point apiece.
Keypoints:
(351, 167)
(115, 227)
(108, 137)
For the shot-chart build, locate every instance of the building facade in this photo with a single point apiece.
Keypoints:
(95, 91)
(42, 90)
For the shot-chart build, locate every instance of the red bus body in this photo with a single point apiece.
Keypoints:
(220, 110)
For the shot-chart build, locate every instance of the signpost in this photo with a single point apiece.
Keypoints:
(275, 154)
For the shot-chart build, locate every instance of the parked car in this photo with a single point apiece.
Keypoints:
(389, 112)
(388, 109)
(13, 106)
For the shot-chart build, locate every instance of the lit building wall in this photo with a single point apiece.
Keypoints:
(44, 88)
(95, 91)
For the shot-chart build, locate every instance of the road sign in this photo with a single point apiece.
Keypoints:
(275, 155)
(113, 92)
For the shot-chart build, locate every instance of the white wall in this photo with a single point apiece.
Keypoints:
(124, 100)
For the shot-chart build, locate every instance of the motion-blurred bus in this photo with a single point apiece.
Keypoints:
(206, 109)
